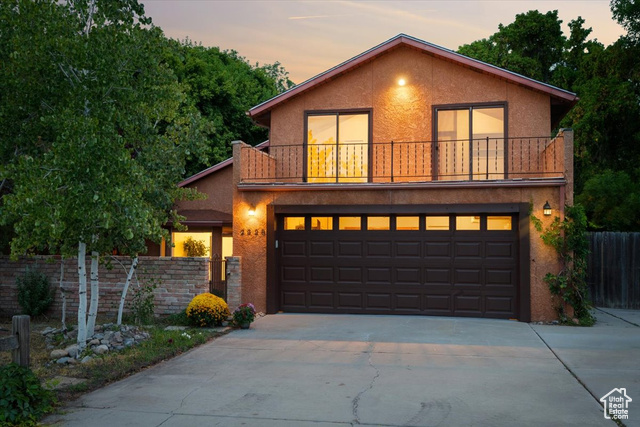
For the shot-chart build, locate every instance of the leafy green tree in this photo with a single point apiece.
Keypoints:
(223, 86)
(612, 200)
(627, 13)
(95, 131)
(532, 45)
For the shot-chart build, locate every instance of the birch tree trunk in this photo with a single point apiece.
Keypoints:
(63, 295)
(82, 296)
(95, 292)
(134, 265)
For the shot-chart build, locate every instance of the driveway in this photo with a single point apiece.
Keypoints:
(334, 370)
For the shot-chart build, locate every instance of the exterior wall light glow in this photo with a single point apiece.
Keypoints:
(546, 209)
(402, 82)
(252, 211)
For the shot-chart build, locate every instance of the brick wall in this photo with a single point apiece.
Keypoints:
(178, 279)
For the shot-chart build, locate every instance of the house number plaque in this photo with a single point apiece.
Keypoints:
(253, 232)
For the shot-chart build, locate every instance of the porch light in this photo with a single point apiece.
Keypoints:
(252, 211)
(402, 82)
(546, 209)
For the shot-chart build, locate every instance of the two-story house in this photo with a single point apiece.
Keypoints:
(402, 182)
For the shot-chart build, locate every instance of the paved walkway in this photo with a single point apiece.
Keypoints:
(335, 370)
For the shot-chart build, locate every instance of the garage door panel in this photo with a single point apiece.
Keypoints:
(350, 300)
(293, 273)
(410, 302)
(408, 249)
(321, 274)
(502, 305)
(467, 277)
(438, 276)
(499, 277)
(441, 303)
(349, 249)
(468, 303)
(321, 249)
(379, 301)
(379, 275)
(500, 250)
(293, 299)
(294, 248)
(468, 249)
(378, 249)
(321, 300)
(408, 276)
(350, 275)
(437, 249)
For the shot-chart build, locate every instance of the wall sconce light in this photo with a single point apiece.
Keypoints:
(252, 211)
(402, 82)
(546, 209)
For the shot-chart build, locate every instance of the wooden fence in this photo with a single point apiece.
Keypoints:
(18, 341)
(613, 269)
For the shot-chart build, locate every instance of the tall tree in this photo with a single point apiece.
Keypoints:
(223, 86)
(97, 130)
(532, 45)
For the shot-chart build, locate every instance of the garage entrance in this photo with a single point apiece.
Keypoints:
(432, 264)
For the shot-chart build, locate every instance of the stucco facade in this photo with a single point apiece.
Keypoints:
(404, 113)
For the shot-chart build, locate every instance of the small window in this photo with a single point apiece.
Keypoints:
(378, 223)
(467, 223)
(498, 223)
(349, 223)
(294, 223)
(321, 223)
(437, 223)
(407, 223)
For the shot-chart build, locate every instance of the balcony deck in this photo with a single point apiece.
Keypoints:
(483, 162)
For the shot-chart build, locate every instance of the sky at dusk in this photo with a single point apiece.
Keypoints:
(309, 37)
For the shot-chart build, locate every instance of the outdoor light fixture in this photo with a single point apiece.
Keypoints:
(546, 209)
(402, 82)
(252, 211)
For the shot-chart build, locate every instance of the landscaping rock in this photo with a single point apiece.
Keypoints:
(86, 359)
(94, 341)
(63, 360)
(48, 330)
(101, 349)
(72, 361)
(57, 354)
(117, 337)
(72, 350)
(128, 342)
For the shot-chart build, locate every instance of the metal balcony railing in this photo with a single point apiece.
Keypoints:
(399, 161)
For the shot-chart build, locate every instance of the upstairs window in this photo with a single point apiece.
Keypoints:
(471, 142)
(337, 147)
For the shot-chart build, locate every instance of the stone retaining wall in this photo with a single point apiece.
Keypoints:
(178, 280)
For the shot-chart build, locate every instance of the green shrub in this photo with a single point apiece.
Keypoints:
(23, 401)
(195, 248)
(206, 310)
(143, 304)
(178, 319)
(35, 294)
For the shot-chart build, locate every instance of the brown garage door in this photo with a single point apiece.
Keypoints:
(450, 265)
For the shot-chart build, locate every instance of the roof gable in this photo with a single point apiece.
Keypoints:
(561, 100)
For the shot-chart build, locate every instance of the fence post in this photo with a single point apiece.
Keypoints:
(20, 326)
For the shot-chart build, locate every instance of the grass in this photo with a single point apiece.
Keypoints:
(102, 370)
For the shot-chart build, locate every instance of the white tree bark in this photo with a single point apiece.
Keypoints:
(82, 296)
(64, 296)
(134, 265)
(95, 292)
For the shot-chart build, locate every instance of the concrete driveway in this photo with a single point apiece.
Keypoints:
(333, 370)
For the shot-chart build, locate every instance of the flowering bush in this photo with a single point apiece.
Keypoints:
(245, 313)
(206, 310)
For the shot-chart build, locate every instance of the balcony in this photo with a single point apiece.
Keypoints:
(419, 162)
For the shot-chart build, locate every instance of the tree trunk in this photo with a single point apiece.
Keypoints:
(63, 295)
(95, 291)
(134, 265)
(82, 296)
